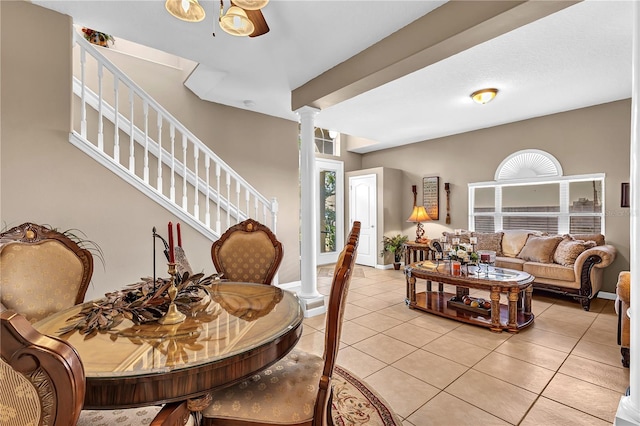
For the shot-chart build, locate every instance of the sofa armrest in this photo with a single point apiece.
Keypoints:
(598, 256)
(623, 288)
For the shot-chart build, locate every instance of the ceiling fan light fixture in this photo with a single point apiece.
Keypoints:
(484, 96)
(251, 4)
(236, 22)
(185, 10)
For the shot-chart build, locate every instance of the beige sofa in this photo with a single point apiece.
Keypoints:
(566, 264)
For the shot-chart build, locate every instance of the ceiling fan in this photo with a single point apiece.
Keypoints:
(243, 17)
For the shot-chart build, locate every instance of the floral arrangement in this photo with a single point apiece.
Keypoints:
(463, 253)
(96, 37)
(140, 303)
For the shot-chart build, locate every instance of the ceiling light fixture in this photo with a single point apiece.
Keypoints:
(186, 10)
(251, 4)
(235, 21)
(484, 96)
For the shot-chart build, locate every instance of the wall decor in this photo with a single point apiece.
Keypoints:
(446, 188)
(431, 196)
(624, 196)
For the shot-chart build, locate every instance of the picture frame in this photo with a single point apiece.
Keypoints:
(624, 195)
(431, 196)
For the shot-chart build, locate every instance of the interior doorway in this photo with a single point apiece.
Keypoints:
(363, 207)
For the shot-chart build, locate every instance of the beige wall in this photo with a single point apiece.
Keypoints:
(46, 180)
(590, 140)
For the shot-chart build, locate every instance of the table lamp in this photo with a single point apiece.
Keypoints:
(419, 215)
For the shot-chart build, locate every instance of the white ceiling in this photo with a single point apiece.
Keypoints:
(577, 57)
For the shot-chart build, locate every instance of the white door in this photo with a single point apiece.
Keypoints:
(330, 210)
(362, 207)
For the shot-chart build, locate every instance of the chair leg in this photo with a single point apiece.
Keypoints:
(625, 357)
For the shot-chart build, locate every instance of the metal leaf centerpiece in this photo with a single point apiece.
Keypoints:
(140, 303)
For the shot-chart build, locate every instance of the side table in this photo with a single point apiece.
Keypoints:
(416, 252)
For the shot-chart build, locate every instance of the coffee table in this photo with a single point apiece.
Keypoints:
(517, 285)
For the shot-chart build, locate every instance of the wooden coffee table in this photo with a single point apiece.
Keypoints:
(511, 317)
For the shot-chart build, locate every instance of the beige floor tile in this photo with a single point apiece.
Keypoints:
(376, 321)
(447, 410)
(412, 334)
(546, 338)
(533, 354)
(431, 368)
(312, 343)
(456, 350)
(515, 371)
(602, 336)
(400, 312)
(358, 362)
(502, 399)
(352, 296)
(606, 321)
(571, 314)
(479, 336)
(547, 412)
(317, 322)
(584, 396)
(373, 304)
(560, 327)
(353, 332)
(406, 422)
(596, 372)
(385, 348)
(597, 352)
(392, 297)
(402, 391)
(352, 311)
(435, 323)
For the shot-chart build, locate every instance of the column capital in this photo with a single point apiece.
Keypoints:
(307, 112)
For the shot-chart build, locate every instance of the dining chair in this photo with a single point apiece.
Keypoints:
(297, 389)
(248, 252)
(42, 271)
(43, 383)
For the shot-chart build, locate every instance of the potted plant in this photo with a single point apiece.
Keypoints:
(97, 37)
(394, 245)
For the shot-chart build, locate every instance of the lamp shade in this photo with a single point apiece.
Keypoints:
(484, 96)
(236, 22)
(186, 10)
(251, 4)
(419, 214)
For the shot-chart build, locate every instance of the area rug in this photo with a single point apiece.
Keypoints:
(355, 403)
(328, 272)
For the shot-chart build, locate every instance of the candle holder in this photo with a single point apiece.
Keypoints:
(173, 315)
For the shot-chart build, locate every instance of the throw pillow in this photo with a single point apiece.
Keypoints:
(489, 241)
(569, 249)
(598, 238)
(513, 241)
(464, 237)
(539, 249)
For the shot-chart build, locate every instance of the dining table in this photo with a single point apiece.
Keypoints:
(238, 330)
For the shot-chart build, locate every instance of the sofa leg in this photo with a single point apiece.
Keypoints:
(586, 303)
(625, 357)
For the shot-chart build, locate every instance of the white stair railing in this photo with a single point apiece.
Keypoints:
(190, 179)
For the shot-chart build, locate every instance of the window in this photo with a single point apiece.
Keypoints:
(531, 193)
(327, 142)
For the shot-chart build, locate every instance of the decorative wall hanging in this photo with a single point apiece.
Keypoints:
(431, 196)
(446, 188)
(624, 196)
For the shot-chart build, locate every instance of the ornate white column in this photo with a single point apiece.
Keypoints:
(629, 407)
(312, 301)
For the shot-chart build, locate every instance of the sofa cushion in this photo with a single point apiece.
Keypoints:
(569, 249)
(549, 271)
(539, 249)
(464, 236)
(598, 238)
(510, 263)
(489, 241)
(513, 241)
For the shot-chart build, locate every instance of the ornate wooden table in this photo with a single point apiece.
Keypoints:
(517, 285)
(240, 330)
(415, 252)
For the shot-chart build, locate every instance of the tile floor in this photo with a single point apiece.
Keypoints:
(564, 369)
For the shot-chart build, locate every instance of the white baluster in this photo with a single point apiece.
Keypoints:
(159, 180)
(116, 126)
(172, 190)
(184, 172)
(228, 198)
(218, 224)
(207, 215)
(238, 200)
(132, 154)
(146, 142)
(196, 205)
(83, 100)
(100, 102)
(274, 212)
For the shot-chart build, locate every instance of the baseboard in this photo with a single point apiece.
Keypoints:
(606, 295)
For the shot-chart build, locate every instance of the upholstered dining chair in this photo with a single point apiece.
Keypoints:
(297, 389)
(42, 271)
(43, 383)
(248, 252)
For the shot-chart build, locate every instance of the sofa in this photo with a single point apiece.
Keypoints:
(623, 303)
(570, 264)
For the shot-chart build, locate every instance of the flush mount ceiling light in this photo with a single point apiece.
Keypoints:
(251, 4)
(235, 21)
(186, 10)
(484, 96)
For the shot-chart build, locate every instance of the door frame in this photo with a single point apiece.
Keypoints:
(338, 168)
(373, 246)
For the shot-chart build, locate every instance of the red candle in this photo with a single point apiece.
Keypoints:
(179, 235)
(172, 258)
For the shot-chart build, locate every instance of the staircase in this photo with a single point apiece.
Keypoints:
(127, 131)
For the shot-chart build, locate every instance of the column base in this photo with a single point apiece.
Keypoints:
(627, 415)
(313, 306)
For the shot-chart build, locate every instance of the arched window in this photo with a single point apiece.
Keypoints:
(530, 192)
